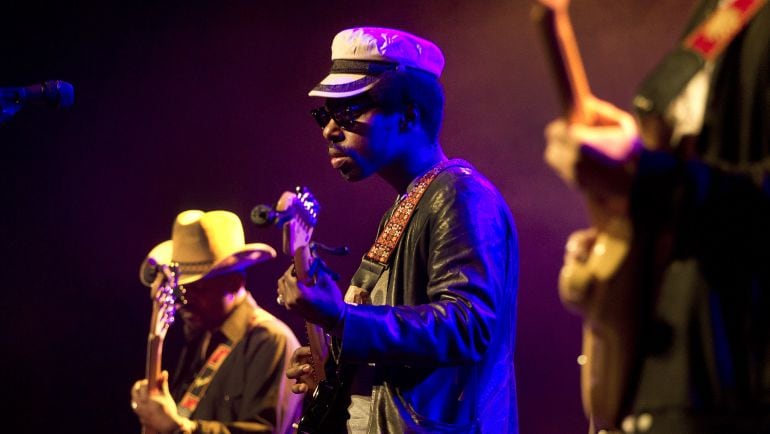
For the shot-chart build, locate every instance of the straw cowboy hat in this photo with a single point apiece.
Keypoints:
(204, 244)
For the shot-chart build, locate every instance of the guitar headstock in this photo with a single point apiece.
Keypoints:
(164, 298)
(555, 5)
(301, 208)
(552, 19)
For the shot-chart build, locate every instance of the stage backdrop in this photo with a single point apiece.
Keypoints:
(202, 104)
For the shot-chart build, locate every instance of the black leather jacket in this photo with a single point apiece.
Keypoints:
(441, 326)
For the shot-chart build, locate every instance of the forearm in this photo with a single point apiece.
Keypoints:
(437, 333)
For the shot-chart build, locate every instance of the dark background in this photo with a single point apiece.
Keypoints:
(202, 104)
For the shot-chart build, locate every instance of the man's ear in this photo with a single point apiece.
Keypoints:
(409, 117)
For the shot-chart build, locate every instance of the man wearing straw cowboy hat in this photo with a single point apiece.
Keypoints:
(224, 327)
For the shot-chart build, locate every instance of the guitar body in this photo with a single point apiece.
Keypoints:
(325, 411)
(609, 302)
(610, 333)
(604, 287)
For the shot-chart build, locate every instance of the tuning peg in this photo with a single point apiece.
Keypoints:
(337, 251)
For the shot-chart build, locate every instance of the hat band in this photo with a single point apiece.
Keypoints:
(345, 87)
(365, 67)
(194, 267)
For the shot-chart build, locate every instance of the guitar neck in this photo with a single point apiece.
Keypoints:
(316, 335)
(153, 365)
(152, 368)
(565, 61)
(163, 300)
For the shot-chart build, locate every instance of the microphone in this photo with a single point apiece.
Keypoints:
(53, 93)
(264, 215)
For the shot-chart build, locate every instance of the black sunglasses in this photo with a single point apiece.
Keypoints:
(344, 115)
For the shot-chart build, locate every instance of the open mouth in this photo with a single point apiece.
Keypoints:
(339, 162)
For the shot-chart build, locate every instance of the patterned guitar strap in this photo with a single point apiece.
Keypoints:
(200, 384)
(377, 258)
(393, 230)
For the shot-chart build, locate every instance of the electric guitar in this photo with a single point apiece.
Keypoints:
(164, 291)
(297, 214)
(602, 289)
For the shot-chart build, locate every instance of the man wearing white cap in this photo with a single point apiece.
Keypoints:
(230, 372)
(429, 319)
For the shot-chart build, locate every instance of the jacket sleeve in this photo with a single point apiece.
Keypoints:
(720, 218)
(471, 256)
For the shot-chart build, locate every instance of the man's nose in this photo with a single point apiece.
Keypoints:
(332, 132)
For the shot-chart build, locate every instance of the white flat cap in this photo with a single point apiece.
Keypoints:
(361, 54)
